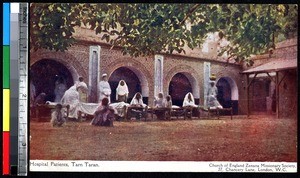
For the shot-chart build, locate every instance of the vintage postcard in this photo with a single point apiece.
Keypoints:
(163, 87)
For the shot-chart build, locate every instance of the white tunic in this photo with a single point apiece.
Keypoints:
(104, 90)
(135, 101)
(71, 97)
(187, 102)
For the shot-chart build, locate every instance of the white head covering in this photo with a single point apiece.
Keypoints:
(187, 100)
(122, 89)
(104, 75)
(135, 101)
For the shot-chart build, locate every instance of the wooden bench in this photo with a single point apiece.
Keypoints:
(177, 112)
(217, 111)
(130, 110)
(166, 113)
(188, 111)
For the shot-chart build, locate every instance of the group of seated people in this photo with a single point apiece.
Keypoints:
(106, 112)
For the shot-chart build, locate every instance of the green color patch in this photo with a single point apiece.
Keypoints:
(6, 66)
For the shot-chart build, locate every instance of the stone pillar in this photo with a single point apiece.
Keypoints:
(158, 74)
(206, 76)
(94, 71)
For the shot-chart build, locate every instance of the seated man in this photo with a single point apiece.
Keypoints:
(168, 104)
(159, 103)
(137, 102)
(104, 116)
(58, 116)
(40, 99)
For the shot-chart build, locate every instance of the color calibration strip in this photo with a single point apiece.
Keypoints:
(6, 90)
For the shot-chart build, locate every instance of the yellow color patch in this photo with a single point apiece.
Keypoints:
(6, 109)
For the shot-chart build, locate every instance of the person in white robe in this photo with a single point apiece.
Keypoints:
(82, 90)
(168, 102)
(71, 98)
(189, 100)
(122, 91)
(212, 101)
(137, 101)
(59, 90)
(159, 101)
(104, 88)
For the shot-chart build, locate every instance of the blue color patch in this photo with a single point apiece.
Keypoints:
(6, 23)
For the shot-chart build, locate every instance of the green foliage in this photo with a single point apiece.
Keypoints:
(147, 29)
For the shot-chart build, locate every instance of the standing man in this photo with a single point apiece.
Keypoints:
(104, 88)
(82, 90)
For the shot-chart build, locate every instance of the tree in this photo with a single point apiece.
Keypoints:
(147, 29)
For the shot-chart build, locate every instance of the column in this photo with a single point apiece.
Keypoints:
(158, 74)
(94, 73)
(206, 76)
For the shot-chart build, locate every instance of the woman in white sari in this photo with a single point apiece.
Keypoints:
(122, 91)
(189, 100)
(137, 101)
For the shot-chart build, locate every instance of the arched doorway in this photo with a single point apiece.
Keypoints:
(45, 73)
(134, 80)
(228, 93)
(179, 87)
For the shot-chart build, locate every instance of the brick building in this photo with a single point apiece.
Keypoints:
(174, 74)
(262, 91)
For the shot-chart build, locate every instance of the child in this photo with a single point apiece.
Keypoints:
(58, 116)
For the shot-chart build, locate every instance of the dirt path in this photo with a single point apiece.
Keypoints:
(240, 139)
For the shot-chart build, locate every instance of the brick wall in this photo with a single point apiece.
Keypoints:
(76, 59)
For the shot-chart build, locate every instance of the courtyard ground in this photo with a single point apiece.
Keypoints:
(260, 138)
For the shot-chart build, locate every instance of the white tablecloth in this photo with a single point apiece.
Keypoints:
(90, 108)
